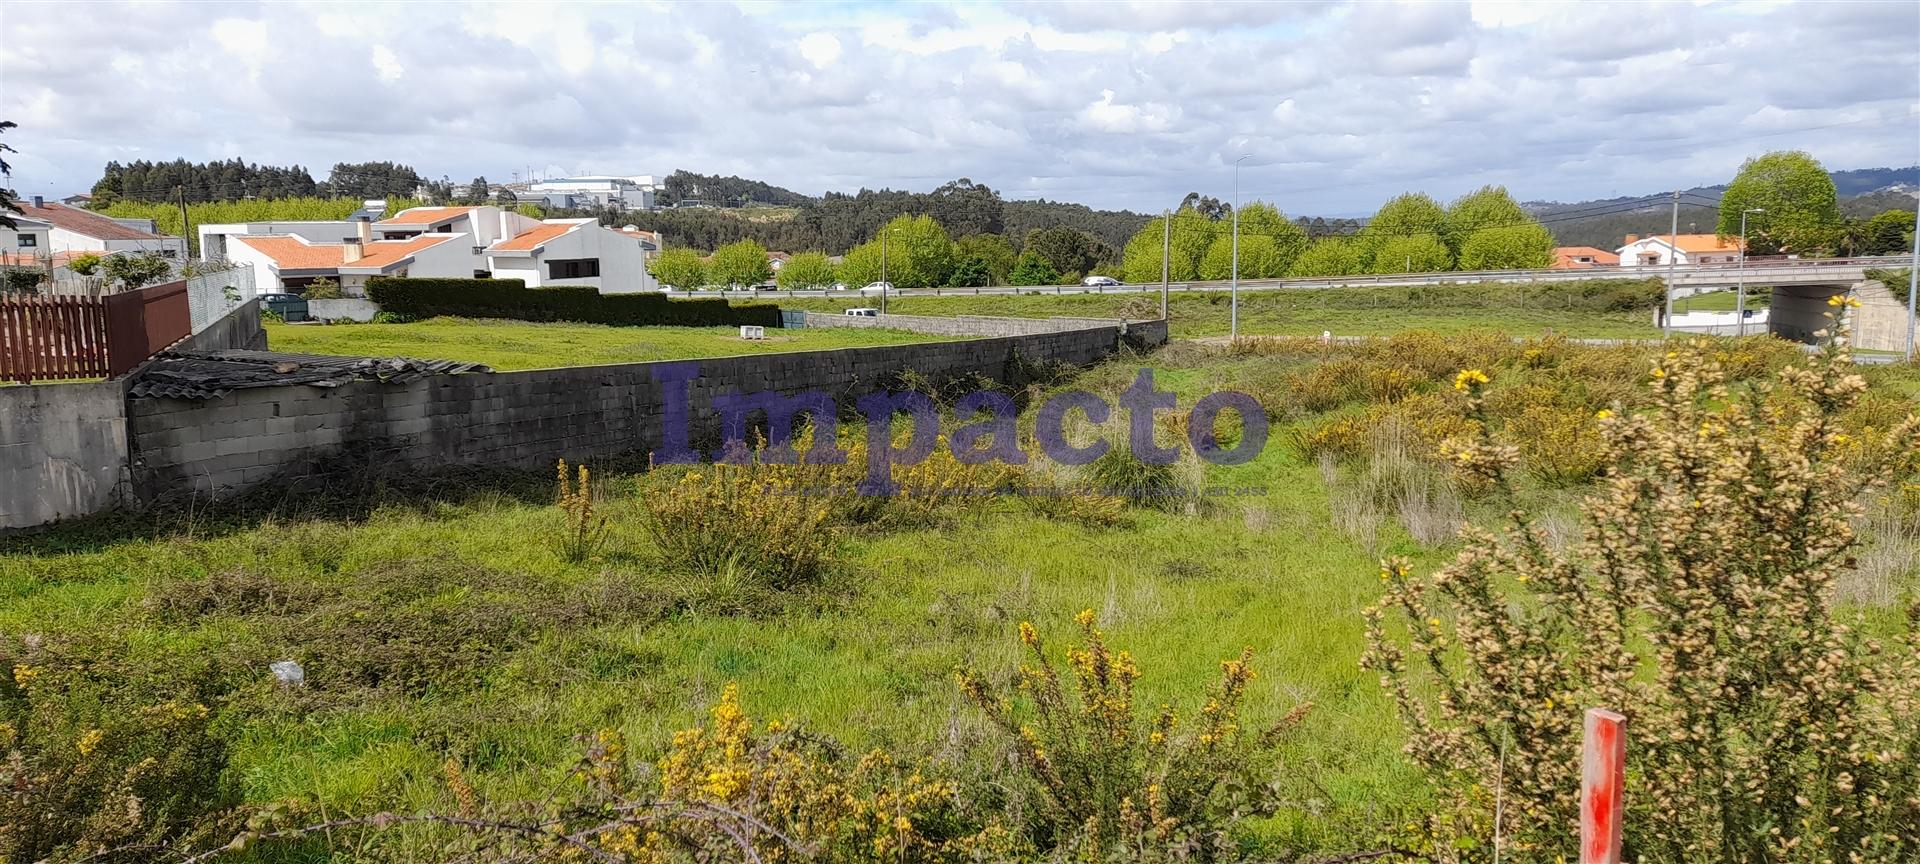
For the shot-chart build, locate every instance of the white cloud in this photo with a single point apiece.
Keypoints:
(1117, 104)
(386, 64)
(820, 49)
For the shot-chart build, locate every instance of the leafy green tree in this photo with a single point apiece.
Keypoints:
(1260, 219)
(1802, 210)
(992, 250)
(919, 254)
(1192, 236)
(85, 265)
(971, 272)
(1407, 217)
(1889, 232)
(1260, 258)
(1070, 251)
(742, 264)
(1486, 208)
(1417, 253)
(1508, 247)
(1328, 256)
(134, 271)
(680, 268)
(1033, 269)
(166, 215)
(806, 270)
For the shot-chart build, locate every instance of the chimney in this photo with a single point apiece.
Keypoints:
(38, 202)
(364, 228)
(352, 251)
(1630, 239)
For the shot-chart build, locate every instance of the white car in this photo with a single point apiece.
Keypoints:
(863, 312)
(878, 288)
(1100, 282)
(839, 286)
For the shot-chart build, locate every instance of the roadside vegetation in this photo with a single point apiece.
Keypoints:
(751, 662)
(1598, 308)
(511, 345)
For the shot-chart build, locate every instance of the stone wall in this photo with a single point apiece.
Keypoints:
(526, 419)
(63, 451)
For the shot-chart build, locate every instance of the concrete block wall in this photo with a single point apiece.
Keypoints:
(964, 325)
(520, 419)
(63, 451)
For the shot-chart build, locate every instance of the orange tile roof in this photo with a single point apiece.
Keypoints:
(527, 241)
(1563, 257)
(293, 253)
(425, 215)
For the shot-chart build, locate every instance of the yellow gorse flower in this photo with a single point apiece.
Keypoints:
(1469, 378)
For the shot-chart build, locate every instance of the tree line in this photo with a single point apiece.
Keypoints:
(837, 222)
(1413, 233)
(237, 180)
(908, 251)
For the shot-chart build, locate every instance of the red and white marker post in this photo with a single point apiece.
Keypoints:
(1603, 768)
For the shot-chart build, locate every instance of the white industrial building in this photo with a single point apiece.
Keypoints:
(634, 192)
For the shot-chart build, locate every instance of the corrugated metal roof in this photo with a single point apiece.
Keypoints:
(211, 374)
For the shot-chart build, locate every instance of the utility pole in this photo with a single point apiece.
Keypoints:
(1166, 257)
(1673, 241)
(1233, 324)
(1913, 282)
(1740, 289)
(186, 227)
(884, 284)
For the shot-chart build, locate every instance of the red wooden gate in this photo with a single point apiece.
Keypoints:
(54, 338)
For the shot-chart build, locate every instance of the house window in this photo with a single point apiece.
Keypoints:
(573, 268)
(29, 241)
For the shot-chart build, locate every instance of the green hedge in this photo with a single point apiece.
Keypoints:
(512, 299)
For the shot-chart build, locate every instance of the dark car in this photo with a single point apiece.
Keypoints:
(290, 307)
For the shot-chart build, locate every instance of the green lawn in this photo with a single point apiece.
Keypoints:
(1577, 309)
(508, 345)
(1722, 301)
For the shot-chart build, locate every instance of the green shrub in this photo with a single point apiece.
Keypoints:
(96, 757)
(511, 299)
(1112, 783)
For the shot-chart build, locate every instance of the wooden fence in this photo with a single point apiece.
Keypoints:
(61, 337)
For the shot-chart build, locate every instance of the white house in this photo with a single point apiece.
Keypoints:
(1653, 250)
(442, 242)
(289, 262)
(573, 252)
(71, 229)
(27, 242)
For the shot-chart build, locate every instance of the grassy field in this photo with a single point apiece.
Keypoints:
(509, 345)
(1596, 309)
(447, 627)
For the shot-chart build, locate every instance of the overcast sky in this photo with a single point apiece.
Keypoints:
(1125, 105)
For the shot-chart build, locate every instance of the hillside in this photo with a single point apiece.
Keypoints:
(1605, 222)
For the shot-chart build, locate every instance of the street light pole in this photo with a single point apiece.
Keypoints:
(883, 270)
(1166, 257)
(1673, 245)
(1233, 326)
(1913, 282)
(1740, 289)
